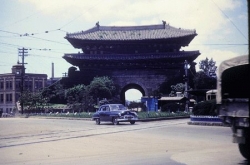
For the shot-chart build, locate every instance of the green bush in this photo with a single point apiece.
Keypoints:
(145, 115)
(206, 108)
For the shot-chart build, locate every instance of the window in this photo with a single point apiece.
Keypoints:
(17, 96)
(28, 84)
(8, 84)
(105, 108)
(1, 84)
(18, 84)
(9, 97)
(38, 84)
(1, 98)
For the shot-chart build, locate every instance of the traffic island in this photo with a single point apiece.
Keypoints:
(206, 121)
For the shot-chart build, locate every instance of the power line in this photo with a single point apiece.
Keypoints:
(47, 31)
(9, 32)
(48, 40)
(30, 48)
(13, 45)
(27, 35)
(21, 19)
(230, 20)
(37, 55)
(75, 18)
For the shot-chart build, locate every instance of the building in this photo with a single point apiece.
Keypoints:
(10, 86)
(135, 57)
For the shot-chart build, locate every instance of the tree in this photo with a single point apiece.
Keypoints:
(206, 77)
(165, 87)
(101, 87)
(203, 81)
(55, 93)
(208, 67)
(74, 92)
(74, 96)
(179, 87)
(33, 100)
(81, 97)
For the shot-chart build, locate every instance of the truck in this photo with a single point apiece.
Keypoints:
(232, 99)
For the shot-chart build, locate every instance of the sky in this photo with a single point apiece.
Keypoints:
(40, 26)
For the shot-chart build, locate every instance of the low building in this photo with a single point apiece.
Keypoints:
(11, 83)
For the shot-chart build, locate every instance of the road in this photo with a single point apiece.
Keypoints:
(33, 141)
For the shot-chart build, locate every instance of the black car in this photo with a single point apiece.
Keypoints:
(114, 113)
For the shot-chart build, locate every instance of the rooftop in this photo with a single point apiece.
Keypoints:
(147, 32)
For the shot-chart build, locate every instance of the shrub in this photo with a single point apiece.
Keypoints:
(207, 108)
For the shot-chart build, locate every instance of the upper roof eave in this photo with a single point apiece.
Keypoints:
(147, 32)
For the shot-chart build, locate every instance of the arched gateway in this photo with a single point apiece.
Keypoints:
(139, 57)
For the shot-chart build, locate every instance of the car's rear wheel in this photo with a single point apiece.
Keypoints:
(132, 122)
(97, 121)
(114, 121)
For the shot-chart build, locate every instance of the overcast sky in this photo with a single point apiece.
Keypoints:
(41, 25)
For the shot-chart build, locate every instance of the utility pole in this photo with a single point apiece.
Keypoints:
(22, 52)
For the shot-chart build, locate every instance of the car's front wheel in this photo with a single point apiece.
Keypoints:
(114, 121)
(132, 122)
(97, 121)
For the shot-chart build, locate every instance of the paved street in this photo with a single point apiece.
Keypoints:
(33, 141)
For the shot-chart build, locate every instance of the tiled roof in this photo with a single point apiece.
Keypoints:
(161, 31)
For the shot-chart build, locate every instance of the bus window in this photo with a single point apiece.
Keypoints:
(211, 94)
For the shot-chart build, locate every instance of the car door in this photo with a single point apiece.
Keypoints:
(108, 116)
(104, 112)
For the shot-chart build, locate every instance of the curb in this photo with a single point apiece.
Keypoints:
(90, 119)
(163, 118)
(208, 124)
(68, 118)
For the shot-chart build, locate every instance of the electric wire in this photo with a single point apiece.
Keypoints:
(230, 20)
(22, 19)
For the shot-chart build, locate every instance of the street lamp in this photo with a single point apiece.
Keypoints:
(186, 67)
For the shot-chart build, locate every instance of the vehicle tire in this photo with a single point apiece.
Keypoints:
(132, 122)
(114, 121)
(244, 150)
(97, 121)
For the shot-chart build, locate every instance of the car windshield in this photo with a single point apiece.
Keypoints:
(118, 107)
